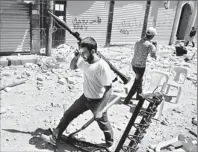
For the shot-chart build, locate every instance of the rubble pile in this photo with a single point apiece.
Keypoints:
(63, 53)
(51, 87)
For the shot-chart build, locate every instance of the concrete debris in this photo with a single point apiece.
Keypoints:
(48, 73)
(165, 123)
(62, 81)
(23, 75)
(3, 111)
(31, 66)
(28, 73)
(70, 87)
(8, 89)
(63, 46)
(48, 62)
(39, 87)
(55, 105)
(44, 70)
(60, 59)
(38, 108)
(48, 77)
(119, 129)
(6, 74)
(71, 81)
(176, 110)
(9, 108)
(60, 84)
(40, 78)
(40, 82)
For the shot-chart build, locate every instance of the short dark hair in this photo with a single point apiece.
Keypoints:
(149, 36)
(89, 43)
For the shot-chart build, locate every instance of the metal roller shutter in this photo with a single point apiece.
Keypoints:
(165, 21)
(15, 26)
(89, 18)
(128, 20)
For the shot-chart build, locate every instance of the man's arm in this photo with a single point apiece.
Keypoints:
(104, 101)
(153, 55)
(73, 64)
(153, 49)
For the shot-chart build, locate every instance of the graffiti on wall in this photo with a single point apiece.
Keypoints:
(106, 5)
(126, 27)
(83, 24)
(165, 22)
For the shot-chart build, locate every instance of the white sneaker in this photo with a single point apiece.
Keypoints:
(48, 139)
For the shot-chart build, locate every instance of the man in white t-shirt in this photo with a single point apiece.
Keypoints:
(96, 90)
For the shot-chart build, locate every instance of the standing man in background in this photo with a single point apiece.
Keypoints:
(141, 50)
(191, 36)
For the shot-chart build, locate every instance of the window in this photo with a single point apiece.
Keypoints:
(59, 7)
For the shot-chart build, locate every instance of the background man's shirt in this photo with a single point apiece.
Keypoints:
(141, 50)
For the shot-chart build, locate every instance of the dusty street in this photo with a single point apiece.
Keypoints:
(51, 88)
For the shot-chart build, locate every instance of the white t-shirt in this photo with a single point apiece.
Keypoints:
(96, 76)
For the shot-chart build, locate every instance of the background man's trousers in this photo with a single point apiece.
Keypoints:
(137, 85)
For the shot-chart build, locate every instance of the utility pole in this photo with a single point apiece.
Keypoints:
(110, 21)
(65, 18)
(175, 24)
(146, 15)
(50, 7)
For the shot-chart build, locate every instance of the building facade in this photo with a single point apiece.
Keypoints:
(24, 23)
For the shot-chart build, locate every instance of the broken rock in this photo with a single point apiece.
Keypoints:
(40, 78)
(3, 111)
(61, 59)
(165, 123)
(176, 110)
(48, 73)
(7, 89)
(70, 80)
(6, 74)
(27, 73)
(62, 81)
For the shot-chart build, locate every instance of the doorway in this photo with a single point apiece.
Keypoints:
(183, 22)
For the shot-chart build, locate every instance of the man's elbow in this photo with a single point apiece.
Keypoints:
(73, 67)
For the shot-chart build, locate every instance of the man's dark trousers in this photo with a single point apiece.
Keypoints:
(137, 85)
(79, 107)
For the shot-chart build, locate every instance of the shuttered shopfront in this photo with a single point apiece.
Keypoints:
(89, 18)
(127, 21)
(15, 26)
(129, 17)
(165, 20)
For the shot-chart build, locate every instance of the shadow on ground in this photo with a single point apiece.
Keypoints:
(41, 144)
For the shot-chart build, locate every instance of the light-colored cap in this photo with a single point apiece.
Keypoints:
(151, 31)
